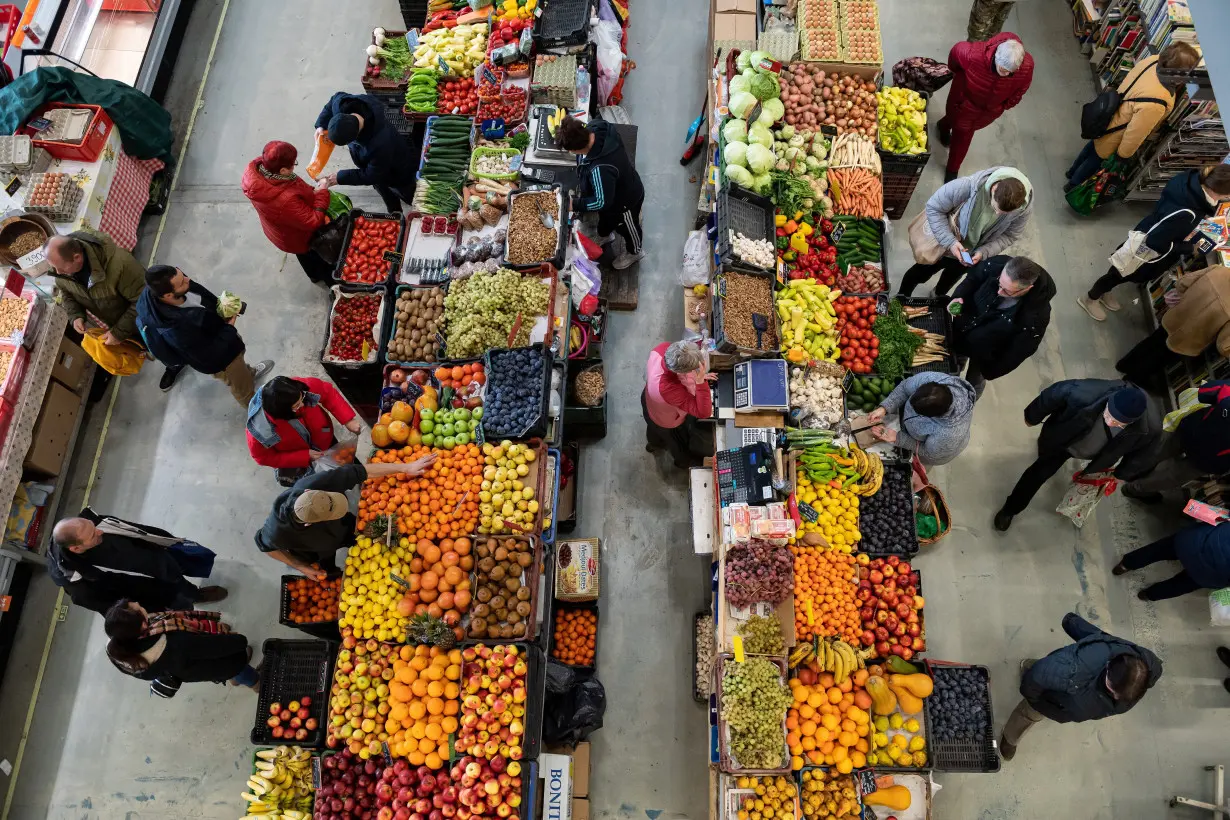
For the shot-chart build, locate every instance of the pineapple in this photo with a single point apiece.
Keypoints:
(424, 629)
(379, 527)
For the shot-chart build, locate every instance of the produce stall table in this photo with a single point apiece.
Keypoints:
(115, 190)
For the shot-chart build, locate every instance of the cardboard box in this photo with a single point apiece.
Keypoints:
(580, 809)
(580, 773)
(70, 365)
(734, 26)
(735, 6)
(556, 774)
(53, 432)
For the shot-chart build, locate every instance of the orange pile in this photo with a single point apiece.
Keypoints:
(576, 636)
(460, 375)
(825, 586)
(439, 581)
(423, 704)
(829, 723)
(313, 602)
(441, 503)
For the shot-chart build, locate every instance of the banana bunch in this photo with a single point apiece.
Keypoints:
(831, 655)
(870, 467)
(281, 786)
(555, 119)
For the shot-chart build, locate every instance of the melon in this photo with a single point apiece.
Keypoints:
(399, 431)
(402, 412)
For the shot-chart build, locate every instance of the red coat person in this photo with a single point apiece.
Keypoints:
(284, 437)
(985, 84)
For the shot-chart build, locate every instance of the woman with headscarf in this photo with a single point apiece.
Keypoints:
(676, 394)
(968, 220)
(290, 210)
(290, 424)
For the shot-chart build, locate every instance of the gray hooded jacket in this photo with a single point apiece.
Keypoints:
(940, 439)
(956, 198)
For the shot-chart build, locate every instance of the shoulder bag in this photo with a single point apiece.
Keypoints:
(927, 249)
(1133, 253)
(1096, 115)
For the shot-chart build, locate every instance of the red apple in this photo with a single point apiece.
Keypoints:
(868, 638)
(275, 708)
(273, 722)
(882, 634)
(883, 649)
(876, 576)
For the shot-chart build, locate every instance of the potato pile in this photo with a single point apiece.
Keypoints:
(814, 97)
(420, 316)
(501, 592)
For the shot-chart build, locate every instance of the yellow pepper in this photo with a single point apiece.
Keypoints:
(798, 242)
(779, 220)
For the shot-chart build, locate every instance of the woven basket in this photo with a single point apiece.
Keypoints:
(933, 503)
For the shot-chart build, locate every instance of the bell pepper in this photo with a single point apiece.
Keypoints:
(791, 226)
(805, 229)
(779, 220)
(782, 242)
(788, 256)
(798, 242)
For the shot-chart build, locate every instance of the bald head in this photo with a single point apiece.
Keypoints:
(65, 254)
(76, 534)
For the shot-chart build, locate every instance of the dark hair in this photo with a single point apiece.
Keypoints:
(124, 626)
(280, 395)
(572, 135)
(1178, 55)
(1128, 677)
(1009, 194)
(158, 279)
(1024, 270)
(278, 155)
(1216, 178)
(932, 399)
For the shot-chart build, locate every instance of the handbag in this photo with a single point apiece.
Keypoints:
(1106, 185)
(1083, 496)
(194, 560)
(165, 686)
(922, 74)
(927, 249)
(1097, 114)
(328, 241)
(123, 359)
(1133, 253)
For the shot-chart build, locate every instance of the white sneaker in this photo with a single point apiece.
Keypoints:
(262, 370)
(627, 260)
(1109, 301)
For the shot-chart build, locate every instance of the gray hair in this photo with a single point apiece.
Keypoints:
(1009, 55)
(1023, 270)
(69, 247)
(683, 357)
(67, 532)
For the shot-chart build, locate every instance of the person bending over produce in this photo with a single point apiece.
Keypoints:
(609, 183)
(965, 221)
(988, 78)
(1203, 550)
(382, 158)
(1097, 677)
(676, 394)
(290, 210)
(1113, 425)
(290, 424)
(179, 321)
(177, 646)
(1005, 307)
(936, 411)
(311, 521)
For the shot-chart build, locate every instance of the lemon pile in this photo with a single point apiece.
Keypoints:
(838, 509)
(369, 594)
(773, 800)
(899, 749)
(506, 504)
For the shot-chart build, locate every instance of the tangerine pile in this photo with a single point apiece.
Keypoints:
(576, 636)
(439, 581)
(423, 704)
(825, 587)
(441, 503)
(460, 375)
(829, 724)
(313, 602)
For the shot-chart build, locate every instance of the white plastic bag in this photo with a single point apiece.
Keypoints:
(340, 454)
(1083, 496)
(1219, 607)
(607, 36)
(695, 270)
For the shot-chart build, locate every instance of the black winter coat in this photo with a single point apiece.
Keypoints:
(997, 339)
(311, 542)
(608, 180)
(199, 656)
(380, 154)
(194, 336)
(1067, 685)
(1182, 192)
(1206, 433)
(1068, 410)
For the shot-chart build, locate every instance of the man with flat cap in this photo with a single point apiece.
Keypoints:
(381, 156)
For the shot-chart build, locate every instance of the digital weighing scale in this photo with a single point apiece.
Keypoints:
(760, 385)
(542, 149)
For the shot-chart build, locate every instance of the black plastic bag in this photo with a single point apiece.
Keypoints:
(573, 716)
(328, 241)
(922, 74)
(560, 678)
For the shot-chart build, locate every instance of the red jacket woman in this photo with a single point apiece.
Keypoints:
(988, 78)
(289, 423)
(290, 210)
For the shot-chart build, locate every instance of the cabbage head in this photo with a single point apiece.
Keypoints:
(739, 85)
(765, 87)
(761, 183)
(771, 111)
(228, 304)
(760, 160)
(760, 135)
(740, 176)
(736, 154)
(743, 60)
(741, 104)
(735, 130)
(756, 56)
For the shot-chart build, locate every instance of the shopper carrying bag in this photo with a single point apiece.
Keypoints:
(1083, 496)
(124, 358)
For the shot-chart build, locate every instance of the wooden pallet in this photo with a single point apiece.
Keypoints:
(620, 288)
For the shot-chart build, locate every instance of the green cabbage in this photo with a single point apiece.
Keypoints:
(741, 104)
(760, 135)
(755, 57)
(229, 304)
(761, 183)
(735, 130)
(736, 153)
(743, 60)
(739, 85)
(739, 176)
(766, 87)
(771, 111)
(760, 159)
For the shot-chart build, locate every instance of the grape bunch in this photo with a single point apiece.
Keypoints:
(960, 711)
(758, 572)
(762, 635)
(480, 312)
(754, 703)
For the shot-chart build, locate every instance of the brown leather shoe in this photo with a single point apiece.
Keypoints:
(211, 595)
(1006, 750)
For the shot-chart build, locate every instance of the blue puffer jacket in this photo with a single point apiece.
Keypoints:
(1068, 685)
(380, 154)
(940, 439)
(1204, 552)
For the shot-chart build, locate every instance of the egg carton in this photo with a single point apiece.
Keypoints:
(67, 196)
(19, 155)
(555, 82)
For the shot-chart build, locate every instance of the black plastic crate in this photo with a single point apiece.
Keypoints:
(901, 475)
(328, 630)
(341, 257)
(888, 282)
(939, 320)
(567, 606)
(538, 428)
(395, 114)
(742, 211)
(583, 422)
(291, 669)
(563, 23)
(958, 756)
(413, 13)
(535, 695)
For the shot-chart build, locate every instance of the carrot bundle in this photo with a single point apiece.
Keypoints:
(857, 192)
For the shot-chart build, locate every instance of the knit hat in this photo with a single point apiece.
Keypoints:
(1127, 405)
(343, 129)
(278, 155)
(314, 506)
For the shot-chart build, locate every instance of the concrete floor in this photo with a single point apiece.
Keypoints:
(101, 749)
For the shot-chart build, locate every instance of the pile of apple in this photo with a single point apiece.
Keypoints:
(494, 691)
(292, 721)
(891, 608)
(347, 788)
(473, 788)
(359, 702)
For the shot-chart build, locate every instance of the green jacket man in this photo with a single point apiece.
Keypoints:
(94, 276)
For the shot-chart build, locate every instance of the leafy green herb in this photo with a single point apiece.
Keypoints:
(897, 343)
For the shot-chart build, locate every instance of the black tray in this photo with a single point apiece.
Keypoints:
(742, 211)
(535, 697)
(953, 756)
(898, 473)
(727, 345)
(888, 284)
(355, 213)
(290, 670)
(564, 606)
(562, 23)
(328, 630)
(938, 321)
(538, 428)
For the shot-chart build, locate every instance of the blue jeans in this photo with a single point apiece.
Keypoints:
(1086, 165)
(246, 677)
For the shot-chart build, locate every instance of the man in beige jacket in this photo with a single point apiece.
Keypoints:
(1146, 101)
(1197, 315)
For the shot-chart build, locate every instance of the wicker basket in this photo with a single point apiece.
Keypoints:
(933, 503)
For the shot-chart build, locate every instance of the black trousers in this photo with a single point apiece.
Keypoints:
(1035, 475)
(393, 197)
(1146, 363)
(315, 266)
(1161, 550)
(950, 271)
(684, 443)
(1145, 273)
(626, 221)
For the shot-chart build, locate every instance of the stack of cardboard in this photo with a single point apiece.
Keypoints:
(734, 20)
(565, 783)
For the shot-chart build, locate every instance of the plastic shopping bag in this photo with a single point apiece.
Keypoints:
(1083, 496)
(1189, 402)
(340, 454)
(1106, 185)
(1219, 607)
(696, 254)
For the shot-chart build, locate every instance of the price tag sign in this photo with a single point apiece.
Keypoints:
(808, 512)
(13, 186)
(489, 76)
(316, 772)
(738, 643)
(393, 256)
(384, 749)
(397, 579)
(839, 230)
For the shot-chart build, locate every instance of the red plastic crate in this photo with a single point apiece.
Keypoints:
(10, 388)
(90, 146)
